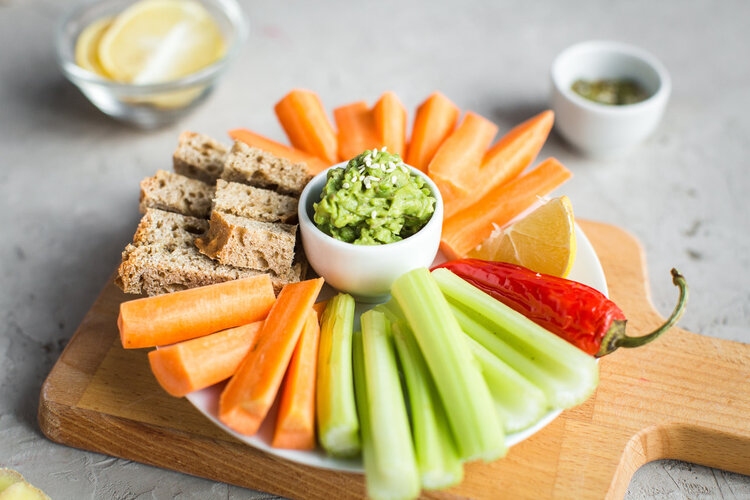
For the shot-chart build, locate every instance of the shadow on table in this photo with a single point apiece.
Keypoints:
(509, 115)
(56, 104)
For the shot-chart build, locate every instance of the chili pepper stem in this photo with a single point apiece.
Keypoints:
(616, 336)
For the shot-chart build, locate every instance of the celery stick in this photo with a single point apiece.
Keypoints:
(338, 426)
(567, 375)
(394, 310)
(373, 479)
(395, 465)
(391, 310)
(519, 402)
(476, 425)
(549, 383)
(437, 456)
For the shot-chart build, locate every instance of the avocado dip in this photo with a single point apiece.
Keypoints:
(616, 92)
(373, 200)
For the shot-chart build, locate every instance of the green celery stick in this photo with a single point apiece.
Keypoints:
(338, 426)
(373, 479)
(519, 402)
(437, 456)
(553, 383)
(476, 425)
(392, 311)
(393, 452)
(567, 375)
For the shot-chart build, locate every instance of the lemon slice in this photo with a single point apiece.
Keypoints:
(156, 41)
(87, 46)
(543, 241)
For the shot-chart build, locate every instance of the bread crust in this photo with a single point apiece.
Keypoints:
(254, 203)
(255, 167)
(176, 193)
(241, 242)
(199, 157)
(163, 258)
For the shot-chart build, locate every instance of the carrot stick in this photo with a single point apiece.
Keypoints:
(305, 122)
(455, 166)
(319, 307)
(506, 159)
(468, 228)
(295, 423)
(314, 164)
(390, 123)
(357, 131)
(198, 363)
(174, 317)
(434, 122)
(250, 393)
(517, 149)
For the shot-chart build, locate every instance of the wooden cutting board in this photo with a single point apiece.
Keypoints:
(685, 397)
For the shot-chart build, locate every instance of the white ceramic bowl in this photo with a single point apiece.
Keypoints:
(600, 129)
(366, 271)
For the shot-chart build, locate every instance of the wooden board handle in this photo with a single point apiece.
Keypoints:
(685, 396)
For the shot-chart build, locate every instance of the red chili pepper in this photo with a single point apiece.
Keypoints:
(578, 313)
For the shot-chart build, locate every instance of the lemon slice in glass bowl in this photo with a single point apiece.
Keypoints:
(87, 46)
(543, 241)
(156, 41)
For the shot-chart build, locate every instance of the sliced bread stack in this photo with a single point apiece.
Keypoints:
(223, 215)
(163, 257)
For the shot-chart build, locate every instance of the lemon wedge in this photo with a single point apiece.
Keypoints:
(155, 41)
(543, 241)
(87, 46)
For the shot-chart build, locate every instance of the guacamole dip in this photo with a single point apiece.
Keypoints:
(374, 199)
(610, 91)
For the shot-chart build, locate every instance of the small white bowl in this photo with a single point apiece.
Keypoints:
(601, 129)
(366, 271)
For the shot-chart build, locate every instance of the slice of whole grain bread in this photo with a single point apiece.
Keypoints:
(254, 203)
(253, 166)
(176, 193)
(163, 258)
(199, 157)
(247, 243)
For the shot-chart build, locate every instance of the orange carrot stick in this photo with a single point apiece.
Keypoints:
(506, 159)
(390, 123)
(314, 164)
(250, 393)
(468, 228)
(305, 122)
(319, 307)
(198, 363)
(174, 317)
(455, 166)
(357, 132)
(434, 122)
(295, 423)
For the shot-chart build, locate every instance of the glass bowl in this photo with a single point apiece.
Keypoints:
(146, 105)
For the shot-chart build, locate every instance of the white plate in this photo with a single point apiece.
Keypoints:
(586, 269)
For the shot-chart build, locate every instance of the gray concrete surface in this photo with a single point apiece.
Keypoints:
(69, 175)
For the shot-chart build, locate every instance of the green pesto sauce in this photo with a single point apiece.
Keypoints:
(373, 200)
(610, 91)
